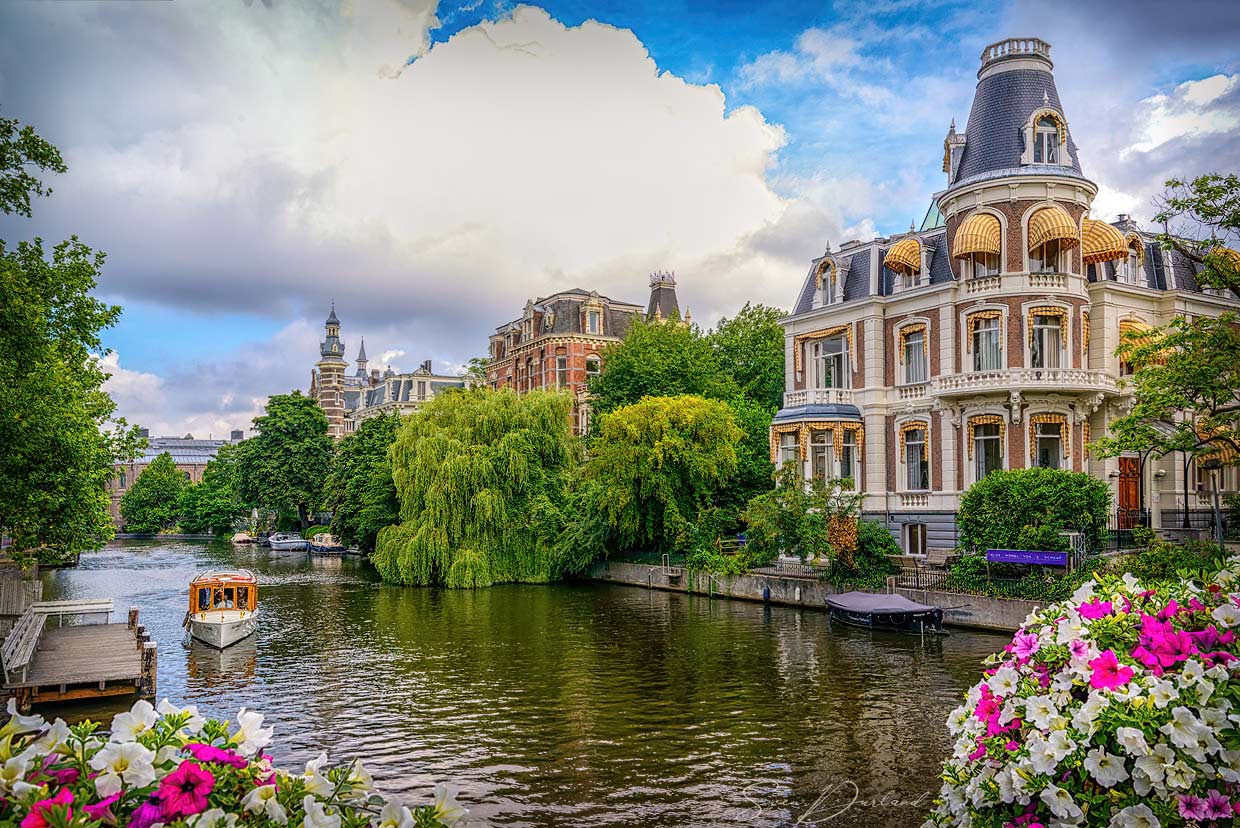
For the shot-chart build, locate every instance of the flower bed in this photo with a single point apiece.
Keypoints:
(1117, 708)
(170, 766)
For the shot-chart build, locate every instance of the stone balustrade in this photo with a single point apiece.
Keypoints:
(1016, 379)
(818, 396)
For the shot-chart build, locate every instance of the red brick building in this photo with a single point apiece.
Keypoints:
(556, 343)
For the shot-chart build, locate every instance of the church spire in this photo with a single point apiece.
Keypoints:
(361, 359)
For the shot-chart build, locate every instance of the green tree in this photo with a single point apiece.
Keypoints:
(482, 479)
(477, 368)
(59, 436)
(1202, 218)
(750, 347)
(212, 505)
(657, 464)
(153, 503)
(360, 491)
(1017, 508)
(283, 467)
(21, 149)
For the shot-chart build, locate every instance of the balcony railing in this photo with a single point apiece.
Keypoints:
(1025, 283)
(913, 392)
(1067, 379)
(818, 396)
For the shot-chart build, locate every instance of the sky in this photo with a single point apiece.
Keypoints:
(431, 166)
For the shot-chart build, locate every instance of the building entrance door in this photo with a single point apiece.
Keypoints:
(1129, 512)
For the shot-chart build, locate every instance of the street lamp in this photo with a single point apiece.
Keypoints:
(1214, 465)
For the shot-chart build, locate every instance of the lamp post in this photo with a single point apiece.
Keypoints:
(1213, 465)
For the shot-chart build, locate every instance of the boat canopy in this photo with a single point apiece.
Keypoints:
(875, 603)
(223, 590)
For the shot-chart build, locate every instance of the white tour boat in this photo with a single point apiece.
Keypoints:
(223, 607)
(288, 542)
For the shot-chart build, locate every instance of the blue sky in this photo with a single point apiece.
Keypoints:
(245, 165)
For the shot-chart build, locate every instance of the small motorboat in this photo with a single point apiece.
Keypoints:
(881, 611)
(223, 607)
(288, 542)
(325, 544)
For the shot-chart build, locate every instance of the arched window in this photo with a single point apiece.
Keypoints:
(1046, 142)
(1131, 269)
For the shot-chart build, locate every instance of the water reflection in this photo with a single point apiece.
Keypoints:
(564, 705)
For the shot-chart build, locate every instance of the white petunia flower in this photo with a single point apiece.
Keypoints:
(1135, 816)
(956, 721)
(1107, 768)
(447, 809)
(317, 815)
(212, 818)
(1085, 718)
(1084, 592)
(18, 723)
(1131, 583)
(251, 736)
(128, 762)
(1060, 802)
(1162, 692)
(1132, 740)
(1040, 710)
(1226, 614)
(395, 815)
(128, 726)
(1003, 682)
(1184, 730)
(12, 772)
(316, 782)
(192, 725)
(263, 800)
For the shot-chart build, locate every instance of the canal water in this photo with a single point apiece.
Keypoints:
(564, 705)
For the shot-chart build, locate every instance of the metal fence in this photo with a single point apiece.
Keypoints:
(1121, 525)
(790, 569)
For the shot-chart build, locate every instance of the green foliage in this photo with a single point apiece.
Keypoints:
(1142, 536)
(1164, 561)
(360, 491)
(1006, 509)
(971, 574)
(57, 429)
(477, 368)
(797, 519)
(212, 504)
(284, 467)
(873, 562)
(750, 346)
(153, 503)
(21, 149)
(481, 477)
(657, 464)
(1211, 202)
(311, 531)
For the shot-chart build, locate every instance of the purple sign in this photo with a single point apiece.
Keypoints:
(1024, 556)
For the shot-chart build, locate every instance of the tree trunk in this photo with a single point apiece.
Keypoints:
(303, 516)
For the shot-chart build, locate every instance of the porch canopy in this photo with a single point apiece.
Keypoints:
(979, 233)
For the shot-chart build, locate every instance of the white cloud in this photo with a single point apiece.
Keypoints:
(386, 358)
(1194, 108)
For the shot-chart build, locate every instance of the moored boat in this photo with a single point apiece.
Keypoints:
(223, 607)
(881, 611)
(325, 544)
(242, 539)
(288, 542)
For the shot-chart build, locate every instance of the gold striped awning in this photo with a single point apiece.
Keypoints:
(1100, 242)
(1085, 329)
(1065, 435)
(1222, 449)
(972, 320)
(979, 233)
(1061, 126)
(1134, 240)
(1052, 223)
(904, 256)
(1230, 257)
(798, 343)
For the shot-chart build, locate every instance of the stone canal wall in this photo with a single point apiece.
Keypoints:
(977, 612)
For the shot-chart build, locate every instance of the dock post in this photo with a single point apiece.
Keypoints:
(133, 617)
(140, 635)
(150, 662)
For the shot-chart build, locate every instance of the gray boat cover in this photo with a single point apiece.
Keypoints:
(873, 602)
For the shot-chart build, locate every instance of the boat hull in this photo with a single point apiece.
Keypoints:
(222, 630)
(299, 545)
(916, 623)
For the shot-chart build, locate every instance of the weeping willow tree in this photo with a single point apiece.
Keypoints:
(481, 477)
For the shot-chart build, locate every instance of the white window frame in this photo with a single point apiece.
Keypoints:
(1039, 330)
(594, 321)
(594, 365)
(977, 453)
(976, 349)
(1037, 445)
(923, 360)
(561, 370)
(1063, 258)
(979, 265)
(923, 531)
(1046, 142)
(821, 446)
(907, 471)
(789, 450)
(818, 360)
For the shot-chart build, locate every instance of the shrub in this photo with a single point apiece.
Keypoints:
(311, 531)
(1163, 561)
(1031, 506)
(871, 563)
(811, 523)
(171, 766)
(1142, 536)
(1114, 708)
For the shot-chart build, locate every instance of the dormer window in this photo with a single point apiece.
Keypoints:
(594, 322)
(1046, 142)
(830, 289)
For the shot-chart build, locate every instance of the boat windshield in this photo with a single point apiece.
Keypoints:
(222, 596)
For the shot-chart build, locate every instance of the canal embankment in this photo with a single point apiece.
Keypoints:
(960, 610)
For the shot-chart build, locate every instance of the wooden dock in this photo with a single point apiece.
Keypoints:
(66, 650)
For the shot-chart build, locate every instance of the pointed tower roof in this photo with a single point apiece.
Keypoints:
(663, 303)
(361, 352)
(332, 320)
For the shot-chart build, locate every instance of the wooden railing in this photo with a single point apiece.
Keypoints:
(19, 645)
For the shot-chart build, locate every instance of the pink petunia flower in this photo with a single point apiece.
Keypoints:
(37, 818)
(147, 814)
(1192, 807)
(219, 756)
(62, 776)
(1095, 609)
(102, 809)
(1108, 672)
(1218, 806)
(183, 792)
(1025, 644)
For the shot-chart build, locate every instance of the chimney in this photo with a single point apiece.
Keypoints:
(426, 367)
(237, 435)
